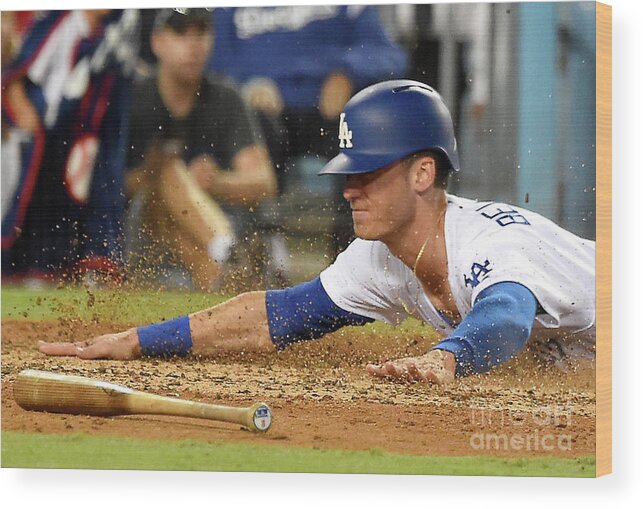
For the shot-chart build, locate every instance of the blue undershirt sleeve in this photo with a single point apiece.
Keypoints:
(305, 312)
(496, 329)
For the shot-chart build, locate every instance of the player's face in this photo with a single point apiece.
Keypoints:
(184, 54)
(382, 202)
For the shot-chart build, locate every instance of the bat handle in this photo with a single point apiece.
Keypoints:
(258, 417)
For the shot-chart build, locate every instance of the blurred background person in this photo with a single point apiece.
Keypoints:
(10, 144)
(298, 65)
(197, 164)
(64, 106)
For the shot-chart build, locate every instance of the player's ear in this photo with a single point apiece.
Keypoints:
(425, 173)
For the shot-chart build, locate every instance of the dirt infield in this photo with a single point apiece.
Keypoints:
(322, 398)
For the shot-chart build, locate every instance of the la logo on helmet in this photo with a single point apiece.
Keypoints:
(345, 135)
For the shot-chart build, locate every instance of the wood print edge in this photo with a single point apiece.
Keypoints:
(603, 239)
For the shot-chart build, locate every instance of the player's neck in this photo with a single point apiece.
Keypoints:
(421, 245)
(425, 253)
(179, 97)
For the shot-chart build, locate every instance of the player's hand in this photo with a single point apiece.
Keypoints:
(263, 94)
(205, 172)
(335, 93)
(436, 366)
(122, 346)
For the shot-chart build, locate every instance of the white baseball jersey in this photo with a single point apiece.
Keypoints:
(486, 243)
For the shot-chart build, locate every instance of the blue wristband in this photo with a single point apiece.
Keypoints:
(166, 339)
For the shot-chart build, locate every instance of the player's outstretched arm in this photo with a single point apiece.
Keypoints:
(239, 324)
(496, 329)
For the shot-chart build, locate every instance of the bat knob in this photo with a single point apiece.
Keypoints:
(261, 417)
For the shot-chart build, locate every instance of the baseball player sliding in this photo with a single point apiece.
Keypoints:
(489, 276)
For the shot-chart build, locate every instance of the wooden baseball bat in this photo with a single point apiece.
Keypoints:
(51, 392)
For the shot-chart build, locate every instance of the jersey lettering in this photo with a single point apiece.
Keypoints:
(503, 214)
(255, 21)
(479, 272)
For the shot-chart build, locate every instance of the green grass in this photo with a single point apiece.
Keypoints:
(106, 305)
(28, 450)
(125, 307)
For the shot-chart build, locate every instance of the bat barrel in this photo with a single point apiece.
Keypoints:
(52, 392)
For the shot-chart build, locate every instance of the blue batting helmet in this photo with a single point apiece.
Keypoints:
(391, 120)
